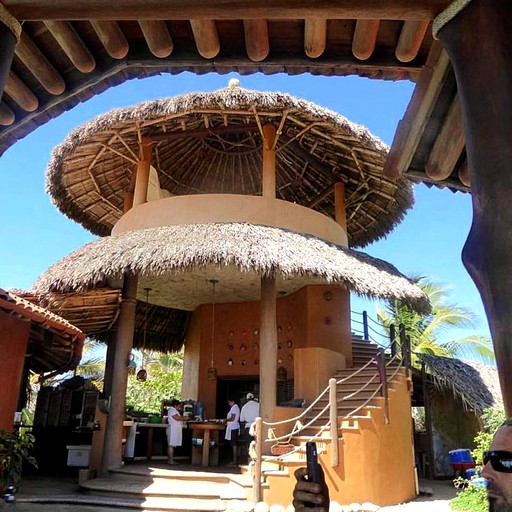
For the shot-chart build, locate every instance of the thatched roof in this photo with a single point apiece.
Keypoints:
(475, 384)
(177, 262)
(211, 143)
(95, 313)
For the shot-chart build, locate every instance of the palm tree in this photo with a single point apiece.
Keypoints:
(428, 332)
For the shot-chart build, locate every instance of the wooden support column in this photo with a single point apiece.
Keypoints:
(340, 211)
(268, 353)
(483, 69)
(142, 179)
(269, 161)
(9, 31)
(112, 453)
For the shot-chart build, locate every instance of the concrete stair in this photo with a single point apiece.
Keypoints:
(160, 489)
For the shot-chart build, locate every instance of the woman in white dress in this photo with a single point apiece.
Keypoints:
(232, 429)
(174, 430)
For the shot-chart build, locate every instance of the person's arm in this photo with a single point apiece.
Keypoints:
(309, 496)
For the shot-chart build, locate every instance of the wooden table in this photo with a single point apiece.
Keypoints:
(150, 428)
(207, 432)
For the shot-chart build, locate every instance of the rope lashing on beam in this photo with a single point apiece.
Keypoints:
(10, 22)
(447, 15)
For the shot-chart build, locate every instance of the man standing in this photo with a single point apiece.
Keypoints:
(250, 411)
(498, 469)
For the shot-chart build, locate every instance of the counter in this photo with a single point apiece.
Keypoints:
(205, 440)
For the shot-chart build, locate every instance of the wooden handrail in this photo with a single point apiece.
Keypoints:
(333, 413)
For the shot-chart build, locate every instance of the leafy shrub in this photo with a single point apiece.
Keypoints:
(14, 451)
(473, 498)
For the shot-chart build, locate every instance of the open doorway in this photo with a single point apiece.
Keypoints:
(236, 388)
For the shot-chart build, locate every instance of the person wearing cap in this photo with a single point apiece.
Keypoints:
(250, 411)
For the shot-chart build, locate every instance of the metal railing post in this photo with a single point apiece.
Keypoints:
(256, 483)
(392, 339)
(366, 334)
(333, 416)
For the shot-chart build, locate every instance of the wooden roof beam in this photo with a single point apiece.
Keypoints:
(205, 132)
(157, 36)
(206, 37)
(224, 9)
(315, 37)
(20, 93)
(448, 146)
(256, 39)
(411, 37)
(72, 44)
(112, 38)
(464, 174)
(7, 116)
(365, 38)
(39, 66)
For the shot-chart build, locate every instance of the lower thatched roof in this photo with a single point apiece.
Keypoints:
(206, 251)
(475, 384)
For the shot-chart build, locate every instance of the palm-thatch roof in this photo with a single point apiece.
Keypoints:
(212, 143)
(95, 312)
(475, 384)
(176, 262)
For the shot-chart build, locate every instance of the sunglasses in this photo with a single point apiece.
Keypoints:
(501, 461)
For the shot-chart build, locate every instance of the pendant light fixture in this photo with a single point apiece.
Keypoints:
(142, 374)
(212, 371)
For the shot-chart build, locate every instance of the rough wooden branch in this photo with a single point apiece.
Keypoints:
(448, 146)
(205, 132)
(112, 38)
(411, 37)
(256, 39)
(365, 38)
(6, 115)
(158, 37)
(206, 37)
(315, 37)
(72, 45)
(20, 93)
(224, 9)
(40, 67)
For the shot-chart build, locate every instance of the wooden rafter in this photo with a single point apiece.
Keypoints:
(411, 37)
(315, 37)
(20, 93)
(157, 36)
(112, 38)
(256, 39)
(206, 37)
(365, 38)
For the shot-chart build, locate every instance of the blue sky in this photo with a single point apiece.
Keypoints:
(34, 234)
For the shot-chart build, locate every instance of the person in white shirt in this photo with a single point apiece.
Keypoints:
(249, 412)
(174, 430)
(232, 428)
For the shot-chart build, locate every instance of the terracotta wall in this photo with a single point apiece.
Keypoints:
(376, 459)
(14, 334)
(304, 319)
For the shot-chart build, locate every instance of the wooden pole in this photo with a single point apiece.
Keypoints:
(485, 64)
(268, 352)
(142, 179)
(340, 210)
(333, 416)
(112, 453)
(7, 43)
(269, 161)
(256, 485)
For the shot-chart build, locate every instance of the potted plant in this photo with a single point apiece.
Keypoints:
(14, 452)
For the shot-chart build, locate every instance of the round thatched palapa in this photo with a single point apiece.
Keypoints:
(176, 262)
(212, 143)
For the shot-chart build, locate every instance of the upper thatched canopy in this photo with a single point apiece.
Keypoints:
(212, 143)
(176, 262)
(475, 384)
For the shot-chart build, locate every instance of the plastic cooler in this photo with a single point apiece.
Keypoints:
(461, 460)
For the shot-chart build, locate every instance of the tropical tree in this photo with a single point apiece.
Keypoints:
(431, 334)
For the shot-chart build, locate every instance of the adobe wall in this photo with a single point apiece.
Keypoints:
(304, 319)
(14, 334)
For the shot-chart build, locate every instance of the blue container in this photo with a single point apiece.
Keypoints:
(479, 482)
(457, 456)
(470, 473)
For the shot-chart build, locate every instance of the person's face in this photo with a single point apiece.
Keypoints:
(499, 489)
(231, 403)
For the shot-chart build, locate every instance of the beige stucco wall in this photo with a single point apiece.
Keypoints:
(205, 208)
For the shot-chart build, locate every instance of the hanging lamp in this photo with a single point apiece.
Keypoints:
(142, 374)
(212, 371)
